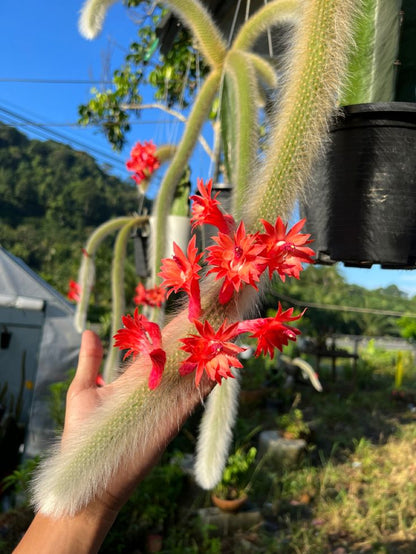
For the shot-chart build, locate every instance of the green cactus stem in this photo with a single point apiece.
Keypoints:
(207, 35)
(314, 79)
(279, 11)
(241, 83)
(191, 12)
(372, 66)
(198, 115)
(264, 70)
(117, 294)
(87, 268)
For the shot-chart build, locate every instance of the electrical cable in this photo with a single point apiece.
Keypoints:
(336, 307)
(51, 133)
(55, 81)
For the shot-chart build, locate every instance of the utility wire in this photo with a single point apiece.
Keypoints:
(336, 307)
(56, 81)
(77, 125)
(61, 137)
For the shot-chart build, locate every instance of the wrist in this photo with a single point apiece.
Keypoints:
(82, 533)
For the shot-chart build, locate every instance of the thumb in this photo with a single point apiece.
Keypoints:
(89, 361)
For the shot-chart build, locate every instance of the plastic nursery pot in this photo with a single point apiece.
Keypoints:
(229, 505)
(178, 229)
(361, 207)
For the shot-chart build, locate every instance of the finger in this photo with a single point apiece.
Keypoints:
(89, 361)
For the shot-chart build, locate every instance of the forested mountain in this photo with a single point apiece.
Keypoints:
(333, 301)
(51, 198)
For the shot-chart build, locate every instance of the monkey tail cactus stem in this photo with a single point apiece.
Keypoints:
(117, 285)
(87, 268)
(314, 79)
(124, 424)
(175, 170)
(315, 76)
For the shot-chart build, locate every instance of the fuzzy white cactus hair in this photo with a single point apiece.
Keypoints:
(215, 433)
(123, 426)
(92, 17)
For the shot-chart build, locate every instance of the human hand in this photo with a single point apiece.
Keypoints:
(84, 532)
(84, 396)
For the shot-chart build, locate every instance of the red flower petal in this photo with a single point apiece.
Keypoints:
(237, 260)
(271, 332)
(158, 357)
(99, 381)
(211, 351)
(206, 211)
(141, 336)
(74, 291)
(143, 161)
(284, 250)
(181, 273)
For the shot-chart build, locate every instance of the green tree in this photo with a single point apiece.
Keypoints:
(325, 286)
(173, 74)
(52, 198)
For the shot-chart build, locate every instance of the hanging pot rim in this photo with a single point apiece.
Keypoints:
(384, 113)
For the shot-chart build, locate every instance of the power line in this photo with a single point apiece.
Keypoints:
(77, 125)
(336, 307)
(51, 133)
(55, 81)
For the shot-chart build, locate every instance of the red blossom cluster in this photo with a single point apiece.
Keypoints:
(74, 291)
(153, 297)
(237, 259)
(141, 336)
(142, 161)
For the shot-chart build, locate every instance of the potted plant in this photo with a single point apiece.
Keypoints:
(231, 492)
(265, 188)
(293, 426)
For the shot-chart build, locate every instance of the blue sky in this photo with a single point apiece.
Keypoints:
(40, 41)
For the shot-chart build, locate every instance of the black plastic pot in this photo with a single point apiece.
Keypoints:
(361, 208)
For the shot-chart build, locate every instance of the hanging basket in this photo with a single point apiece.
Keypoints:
(361, 207)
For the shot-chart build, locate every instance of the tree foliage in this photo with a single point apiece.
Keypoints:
(173, 75)
(52, 198)
(325, 286)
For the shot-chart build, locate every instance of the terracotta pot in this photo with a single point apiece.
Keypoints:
(229, 505)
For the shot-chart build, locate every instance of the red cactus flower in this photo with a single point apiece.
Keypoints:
(205, 209)
(153, 297)
(271, 332)
(181, 273)
(211, 350)
(237, 259)
(143, 161)
(74, 291)
(285, 250)
(141, 336)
